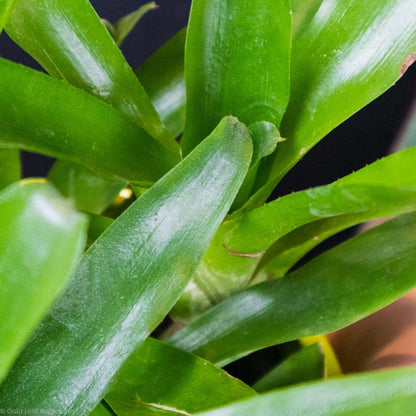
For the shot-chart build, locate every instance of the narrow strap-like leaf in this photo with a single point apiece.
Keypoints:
(10, 167)
(248, 242)
(126, 24)
(71, 43)
(41, 238)
(162, 76)
(390, 392)
(163, 79)
(156, 369)
(236, 62)
(129, 279)
(349, 54)
(45, 115)
(332, 291)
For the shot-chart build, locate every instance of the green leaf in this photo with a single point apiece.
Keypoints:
(162, 76)
(10, 169)
(101, 410)
(304, 365)
(6, 9)
(98, 224)
(398, 168)
(348, 55)
(44, 115)
(129, 279)
(380, 393)
(123, 27)
(318, 298)
(303, 12)
(42, 237)
(265, 138)
(236, 62)
(163, 79)
(159, 375)
(246, 243)
(90, 192)
(71, 43)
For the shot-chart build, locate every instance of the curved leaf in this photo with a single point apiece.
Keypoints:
(163, 79)
(380, 393)
(129, 279)
(126, 24)
(349, 54)
(220, 79)
(248, 242)
(10, 167)
(161, 375)
(162, 76)
(41, 238)
(335, 289)
(41, 114)
(71, 43)
(398, 168)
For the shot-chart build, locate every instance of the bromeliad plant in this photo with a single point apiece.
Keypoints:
(198, 244)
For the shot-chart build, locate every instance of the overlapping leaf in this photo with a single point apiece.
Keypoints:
(162, 76)
(91, 193)
(236, 62)
(304, 365)
(388, 393)
(129, 279)
(159, 376)
(348, 54)
(41, 238)
(41, 114)
(289, 227)
(71, 43)
(335, 289)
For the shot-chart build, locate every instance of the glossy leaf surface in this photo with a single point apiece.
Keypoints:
(380, 393)
(6, 8)
(248, 242)
(71, 43)
(349, 54)
(318, 298)
(159, 375)
(236, 62)
(90, 192)
(129, 279)
(41, 238)
(398, 168)
(162, 76)
(304, 365)
(10, 169)
(44, 115)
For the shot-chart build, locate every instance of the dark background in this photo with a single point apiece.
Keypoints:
(362, 139)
